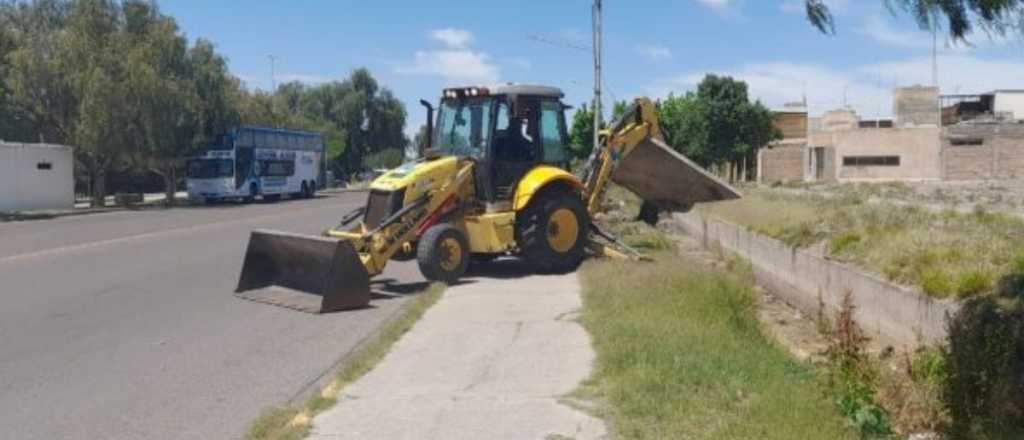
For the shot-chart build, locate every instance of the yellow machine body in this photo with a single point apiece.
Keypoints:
(421, 201)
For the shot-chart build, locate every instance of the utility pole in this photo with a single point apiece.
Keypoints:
(596, 12)
(273, 83)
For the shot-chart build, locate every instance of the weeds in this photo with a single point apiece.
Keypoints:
(681, 354)
(946, 254)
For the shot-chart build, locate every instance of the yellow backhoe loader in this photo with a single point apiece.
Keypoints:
(491, 182)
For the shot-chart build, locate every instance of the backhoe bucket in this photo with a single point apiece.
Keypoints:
(659, 175)
(307, 273)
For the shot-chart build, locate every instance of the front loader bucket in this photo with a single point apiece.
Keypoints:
(301, 272)
(659, 175)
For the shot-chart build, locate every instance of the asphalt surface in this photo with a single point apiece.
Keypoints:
(122, 325)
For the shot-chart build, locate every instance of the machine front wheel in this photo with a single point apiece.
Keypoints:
(443, 253)
(552, 231)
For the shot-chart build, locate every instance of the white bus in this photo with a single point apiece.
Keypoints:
(256, 162)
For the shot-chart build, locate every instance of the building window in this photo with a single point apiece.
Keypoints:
(44, 166)
(871, 161)
(966, 141)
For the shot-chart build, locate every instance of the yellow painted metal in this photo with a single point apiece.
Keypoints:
(563, 230)
(539, 177)
(452, 254)
(491, 233)
(417, 178)
(621, 144)
(441, 178)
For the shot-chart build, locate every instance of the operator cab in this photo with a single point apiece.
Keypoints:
(507, 130)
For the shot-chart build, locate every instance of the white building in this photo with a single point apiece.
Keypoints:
(1009, 104)
(36, 176)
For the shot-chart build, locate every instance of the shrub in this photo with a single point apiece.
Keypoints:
(843, 241)
(973, 282)
(936, 282)
(985, 363)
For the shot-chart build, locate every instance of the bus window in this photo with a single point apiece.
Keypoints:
(278, 168)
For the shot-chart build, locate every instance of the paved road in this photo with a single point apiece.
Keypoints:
(122, 325)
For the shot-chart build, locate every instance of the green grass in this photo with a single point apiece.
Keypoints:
(946, 254)
(681, 354)
(293, 423)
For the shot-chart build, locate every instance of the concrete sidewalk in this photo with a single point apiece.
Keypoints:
(490, 360)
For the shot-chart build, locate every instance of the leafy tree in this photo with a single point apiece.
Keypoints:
(385, 159)
(960, 16)
(581, 133)
(718, 124)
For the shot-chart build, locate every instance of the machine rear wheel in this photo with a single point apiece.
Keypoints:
(552, 231)
(443, 253)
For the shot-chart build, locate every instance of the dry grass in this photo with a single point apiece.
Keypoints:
(293, 423)
(946, 254)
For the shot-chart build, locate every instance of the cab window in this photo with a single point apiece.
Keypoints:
(552, 126)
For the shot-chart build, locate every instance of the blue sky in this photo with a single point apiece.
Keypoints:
(652, 47)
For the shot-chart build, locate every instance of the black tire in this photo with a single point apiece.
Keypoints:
(252, 194)
(648, 214)
(483, 258)
(537, 231)
(311, 187)
(435, 257)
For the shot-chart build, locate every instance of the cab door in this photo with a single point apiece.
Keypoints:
(516, 147)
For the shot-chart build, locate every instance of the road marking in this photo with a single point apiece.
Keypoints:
(99, 243)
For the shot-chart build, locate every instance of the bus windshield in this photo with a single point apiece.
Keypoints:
(210, 168)
(463, 126)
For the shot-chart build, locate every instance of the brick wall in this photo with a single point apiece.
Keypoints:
(999, 156)
(782, 164)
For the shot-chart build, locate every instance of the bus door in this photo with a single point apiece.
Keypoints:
(243, 166)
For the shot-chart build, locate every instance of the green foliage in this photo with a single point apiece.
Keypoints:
(681, 354)
(718, 123)
(984, 360)
(840, 243)
(581, 134)
(357, 117)
(960, 16)
(973, 282)
(385, 159)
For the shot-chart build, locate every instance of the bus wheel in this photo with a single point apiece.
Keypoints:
(312, 189)
(252, 194)
(303, 191)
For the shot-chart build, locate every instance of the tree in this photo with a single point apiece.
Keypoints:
(961, 16)
(581, 133)
(718, 124)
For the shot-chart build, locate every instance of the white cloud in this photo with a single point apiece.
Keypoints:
(868, 88)
(655, 53)
(719, 6)
(453, 38)
(877, 28)
(456, 66)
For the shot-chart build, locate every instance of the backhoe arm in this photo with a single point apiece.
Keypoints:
(638, 124)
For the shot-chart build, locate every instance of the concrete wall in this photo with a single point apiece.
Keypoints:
(919, 150)
(24, 185)
(917, 106)
(781, 163)
(840, 120)
(898, 315)
(999, 156)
